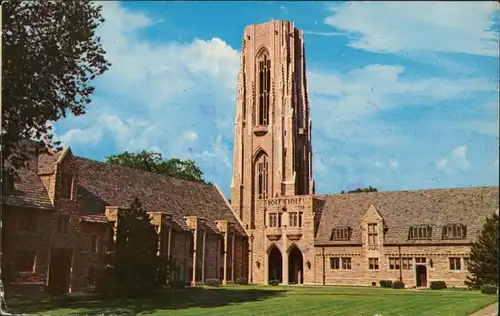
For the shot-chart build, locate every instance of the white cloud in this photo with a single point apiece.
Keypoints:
(339, 101)
(393, 163)
(401, 27)
(153, 90)
(496, 164)
(190, 135)
(455, 161)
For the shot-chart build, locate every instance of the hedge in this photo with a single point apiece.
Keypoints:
(489, 289)
(398, 285)
(438, 285)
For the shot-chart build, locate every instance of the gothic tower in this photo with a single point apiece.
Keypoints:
(272, 140)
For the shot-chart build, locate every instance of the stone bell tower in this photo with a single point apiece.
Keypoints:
(272, 140)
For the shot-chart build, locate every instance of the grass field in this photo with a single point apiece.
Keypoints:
(263, 300)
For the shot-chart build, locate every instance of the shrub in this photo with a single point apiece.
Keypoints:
(178, 284)
(489, 289)
(242, 281)
(386, 283)
(274, 282)
(398, 285)
(212, 282)
(438, 285)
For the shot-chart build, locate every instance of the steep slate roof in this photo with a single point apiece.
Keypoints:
(101, 184)
(29, 190)
(402, 209)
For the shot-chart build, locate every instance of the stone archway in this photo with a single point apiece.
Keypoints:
(295, 266)
(275, 265)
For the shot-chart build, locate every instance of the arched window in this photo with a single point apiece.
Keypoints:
(262, 176)
(264, 91)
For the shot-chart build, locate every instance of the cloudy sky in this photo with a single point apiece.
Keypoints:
(403, 95)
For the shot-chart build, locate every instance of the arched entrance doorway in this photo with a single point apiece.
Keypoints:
(295, 266)
(275, 265)
(60, 270)
(421, 274)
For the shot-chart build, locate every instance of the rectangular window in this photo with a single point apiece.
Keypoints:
(346, 263)
(407, 263)
(334, 263)
(454, 231)
(300, 219)
(455, 263)
(66, 186)
(94, 244)
(420, 232)
(63, 223)
(25, 261)
(373, 263)
(394, 264)
(372, 234)
(27, 222)
(341, 233)
(293, 219)
(420, 260)
(466, 263)
(274, 219)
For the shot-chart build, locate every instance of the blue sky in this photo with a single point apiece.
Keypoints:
(403, 95)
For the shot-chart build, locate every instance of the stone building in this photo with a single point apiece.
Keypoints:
(60, 215)
(299, 237)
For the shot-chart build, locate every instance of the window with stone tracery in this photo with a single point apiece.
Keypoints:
(262, 177)
(264, 87)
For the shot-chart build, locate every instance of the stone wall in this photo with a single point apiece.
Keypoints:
(360, 274)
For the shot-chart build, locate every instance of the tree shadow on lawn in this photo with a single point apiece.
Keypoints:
(166, 300)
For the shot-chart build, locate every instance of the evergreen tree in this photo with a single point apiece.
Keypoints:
(132, 269)
(484, 256)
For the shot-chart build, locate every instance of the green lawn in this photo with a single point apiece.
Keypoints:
(265, 300)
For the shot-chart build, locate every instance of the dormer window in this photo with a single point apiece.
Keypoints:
(341, 233)
(454, 231)
(66, 186)
(420, 232)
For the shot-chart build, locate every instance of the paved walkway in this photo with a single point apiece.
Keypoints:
(491, 310)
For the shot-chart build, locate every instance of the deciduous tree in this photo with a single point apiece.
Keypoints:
(153, 162)
(50, 57)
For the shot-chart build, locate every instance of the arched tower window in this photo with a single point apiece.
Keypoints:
(264, 91)
(262, 176)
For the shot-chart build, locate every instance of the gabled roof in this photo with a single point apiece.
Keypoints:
(402, 209)
(29, 191)
(102, 184)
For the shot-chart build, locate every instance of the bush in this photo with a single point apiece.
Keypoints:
(438, 285)
(398, 285)
(212, 282)
(274, 282)
(242, 281)
(489, 289)
(386, 283)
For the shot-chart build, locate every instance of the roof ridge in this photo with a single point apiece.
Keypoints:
(141, 171)
(413, 191)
